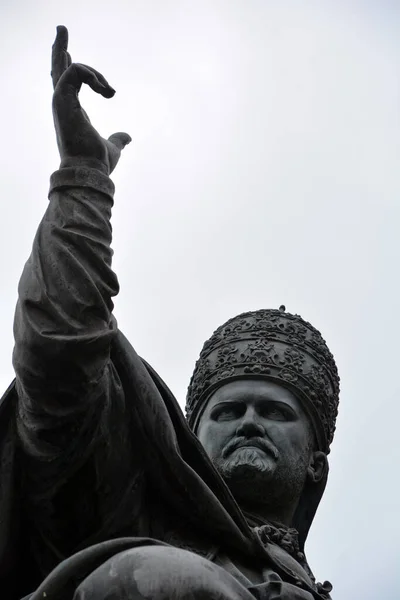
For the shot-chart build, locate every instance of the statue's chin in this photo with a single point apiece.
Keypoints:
(257, 478)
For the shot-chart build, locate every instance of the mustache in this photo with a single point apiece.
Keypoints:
(242, 442)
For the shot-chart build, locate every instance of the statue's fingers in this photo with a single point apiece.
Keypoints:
(62, 37)
(99, 76)
(120, 139)
(60, 59)
(95, 80)
(76, 74)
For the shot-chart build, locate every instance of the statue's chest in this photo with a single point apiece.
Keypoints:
(247, 571)
(277, 561)
(287, 563)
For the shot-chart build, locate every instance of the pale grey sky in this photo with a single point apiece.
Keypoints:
(264, 169)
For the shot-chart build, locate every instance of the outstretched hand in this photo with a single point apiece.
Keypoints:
(78, 141)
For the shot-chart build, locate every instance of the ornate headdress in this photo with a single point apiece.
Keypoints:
(280, 347)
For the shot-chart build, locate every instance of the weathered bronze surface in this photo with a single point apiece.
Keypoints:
(106, 490)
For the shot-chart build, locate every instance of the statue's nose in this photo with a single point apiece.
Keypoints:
(250, 425)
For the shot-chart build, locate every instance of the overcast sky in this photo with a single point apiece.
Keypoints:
(264, 171)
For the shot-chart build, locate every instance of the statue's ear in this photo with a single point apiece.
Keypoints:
(318, 466)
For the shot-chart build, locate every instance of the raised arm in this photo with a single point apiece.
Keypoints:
(63, 323)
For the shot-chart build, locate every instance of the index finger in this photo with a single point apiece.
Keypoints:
(60, 59)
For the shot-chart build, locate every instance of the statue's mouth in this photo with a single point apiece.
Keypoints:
(255, 443)
(253, 446)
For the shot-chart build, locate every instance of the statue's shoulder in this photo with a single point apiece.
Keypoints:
(184, 534)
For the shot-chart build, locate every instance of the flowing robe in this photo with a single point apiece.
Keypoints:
(93, 445)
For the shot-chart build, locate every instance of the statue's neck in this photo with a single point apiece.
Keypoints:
(260, 515)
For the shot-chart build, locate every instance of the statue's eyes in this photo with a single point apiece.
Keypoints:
(228, 412)
(276, 412)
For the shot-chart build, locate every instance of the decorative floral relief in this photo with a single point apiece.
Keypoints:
(260, 351)
(226, 356)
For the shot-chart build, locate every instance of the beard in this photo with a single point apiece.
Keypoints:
(258, 478)
(245, 463)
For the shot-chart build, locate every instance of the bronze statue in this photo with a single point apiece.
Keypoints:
(106, 491)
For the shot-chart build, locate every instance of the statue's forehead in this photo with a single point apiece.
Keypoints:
(253, 390)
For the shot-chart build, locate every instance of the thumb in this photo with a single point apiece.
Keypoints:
(120, 139)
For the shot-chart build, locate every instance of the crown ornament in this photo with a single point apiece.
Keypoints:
(276, 345)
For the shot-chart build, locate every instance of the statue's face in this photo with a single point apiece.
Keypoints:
(259, 438)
